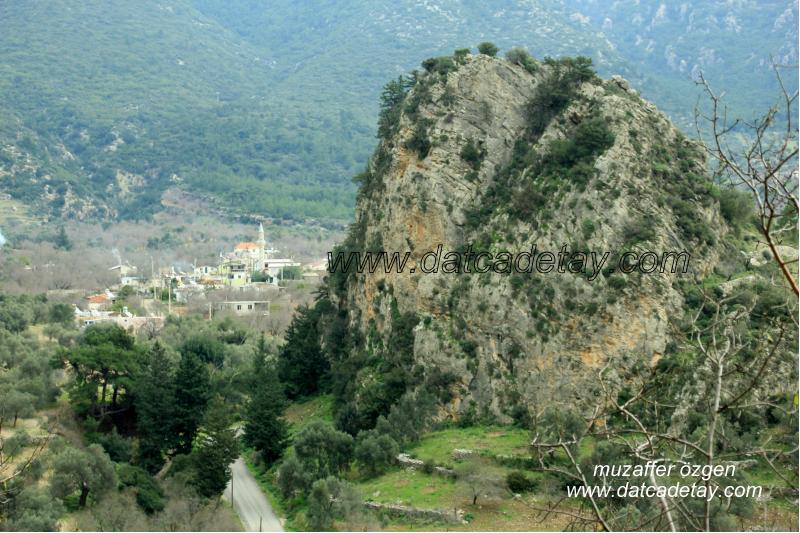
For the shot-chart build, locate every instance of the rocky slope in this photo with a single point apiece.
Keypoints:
(502, 156)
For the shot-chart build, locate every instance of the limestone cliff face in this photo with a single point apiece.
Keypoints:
(538, 338)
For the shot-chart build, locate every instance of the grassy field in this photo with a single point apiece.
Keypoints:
(496, 508)
(484, 440)
(301, 414)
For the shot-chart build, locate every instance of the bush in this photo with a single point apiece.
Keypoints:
(408, 418)
(587, 228)
(149, 494)
(440, 65)
(293, 478)
(521, 57)
(642, 230)
(376, 453)
(116, 446)
(16, 443)
(331, 499)
(488, 49)
(419, 142)
(322, 450)
(518, 482)
(736, 206)
(473, 154)
(617, 282)
(460, 54)
(557, 89)
(206, 347)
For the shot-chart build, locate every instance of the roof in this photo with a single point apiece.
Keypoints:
(246, 246)
(98, 299)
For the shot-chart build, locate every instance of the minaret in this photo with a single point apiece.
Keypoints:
(262, 245)
(262, 242)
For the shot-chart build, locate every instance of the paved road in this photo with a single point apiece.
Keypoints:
(249, 502)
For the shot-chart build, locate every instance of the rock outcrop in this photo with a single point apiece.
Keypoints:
(502, 157)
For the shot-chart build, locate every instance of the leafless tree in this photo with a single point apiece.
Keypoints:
(765, 164)
(740, 369)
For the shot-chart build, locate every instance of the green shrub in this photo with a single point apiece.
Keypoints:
(116, 446)
(14, 444)
(557, 89)
(293, 478)
(736, 206)
(488, 49)
(617, 282)
(322, 450)
(518, 482)
(473, 154)
(637, 231)
(375, 453)
(149, 494)
(521, 57)
(587, 227)
(419, 141)
(460, 55)
(439, 65)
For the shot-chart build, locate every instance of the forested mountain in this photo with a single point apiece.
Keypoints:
(270, 108)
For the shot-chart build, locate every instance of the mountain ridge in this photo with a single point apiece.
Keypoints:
(271, 109)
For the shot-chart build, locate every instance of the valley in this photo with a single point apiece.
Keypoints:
(371, 266)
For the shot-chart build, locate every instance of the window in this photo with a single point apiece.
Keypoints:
(249, 306)
(238, 307)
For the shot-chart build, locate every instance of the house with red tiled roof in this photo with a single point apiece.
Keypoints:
(101, 301)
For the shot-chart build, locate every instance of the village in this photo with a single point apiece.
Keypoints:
(245, 282)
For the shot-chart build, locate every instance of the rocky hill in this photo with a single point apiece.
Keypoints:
(500, 156)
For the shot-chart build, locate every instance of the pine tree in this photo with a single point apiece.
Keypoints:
(264, 428)
(217, 448)
(61, 240)
(155, 405)
(301, 362)
(192, 385)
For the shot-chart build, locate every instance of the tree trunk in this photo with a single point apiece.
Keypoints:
(474, 499)
(15, 420)
(84, 495)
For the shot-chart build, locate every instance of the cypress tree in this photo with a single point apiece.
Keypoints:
(265, 429)
(192, 386)
(155, 405)
(217, 448)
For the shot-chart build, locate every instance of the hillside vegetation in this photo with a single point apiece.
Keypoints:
(505, 390)
(268, 109)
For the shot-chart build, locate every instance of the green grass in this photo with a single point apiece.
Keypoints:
(485, 440)
(411, 487)
(300, 414)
